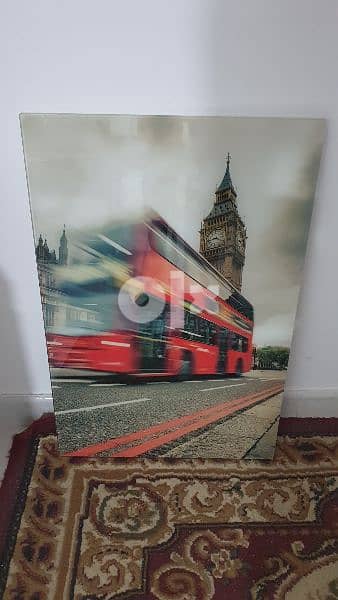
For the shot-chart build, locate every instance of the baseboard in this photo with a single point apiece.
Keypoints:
(28, 406)
(310, 402)
(297, 402)
(41, 404)
(18, 411)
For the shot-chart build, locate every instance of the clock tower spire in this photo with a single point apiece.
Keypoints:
(223, 234)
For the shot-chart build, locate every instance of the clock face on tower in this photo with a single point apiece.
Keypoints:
(215, 238)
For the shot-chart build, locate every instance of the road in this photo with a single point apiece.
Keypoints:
(200, 417)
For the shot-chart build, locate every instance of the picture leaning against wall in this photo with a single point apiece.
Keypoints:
(169, 253)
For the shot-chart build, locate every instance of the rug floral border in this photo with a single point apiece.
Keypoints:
(14, 487)
(18, 474)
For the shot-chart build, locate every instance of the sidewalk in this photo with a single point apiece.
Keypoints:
(251, 434)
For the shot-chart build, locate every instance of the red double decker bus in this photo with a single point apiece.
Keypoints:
(120, 312)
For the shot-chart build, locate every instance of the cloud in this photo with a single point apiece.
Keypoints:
(160, 131)
(278, 327)
(286, 238)
(275, 265)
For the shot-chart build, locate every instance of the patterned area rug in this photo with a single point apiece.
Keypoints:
(171, 529)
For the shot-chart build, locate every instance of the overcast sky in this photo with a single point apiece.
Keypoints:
(85, 170)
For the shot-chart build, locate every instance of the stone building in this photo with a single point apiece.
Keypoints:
(223, 233)
(46, 259)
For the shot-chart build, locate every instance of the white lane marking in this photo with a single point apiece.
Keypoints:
(57, 380)
(219, 387)
(267, 379)
(106, 384)
(54, 387)
(99, 406)
(156, 382)
(215, 380)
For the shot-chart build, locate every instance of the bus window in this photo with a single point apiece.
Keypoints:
(198, 329)
(238, 343)
(191, 327)
(212, 334)
(234, 341)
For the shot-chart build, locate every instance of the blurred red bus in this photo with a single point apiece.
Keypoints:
(93, 334)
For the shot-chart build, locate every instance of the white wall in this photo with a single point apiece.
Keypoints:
(253, 57)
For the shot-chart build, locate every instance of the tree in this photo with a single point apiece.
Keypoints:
(272, 357)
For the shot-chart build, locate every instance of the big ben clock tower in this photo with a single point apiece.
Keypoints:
(223, 233)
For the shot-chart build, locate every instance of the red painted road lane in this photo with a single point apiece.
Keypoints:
(162, 433)
(211, 417)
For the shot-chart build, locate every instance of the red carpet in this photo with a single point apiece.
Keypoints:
(172, 529)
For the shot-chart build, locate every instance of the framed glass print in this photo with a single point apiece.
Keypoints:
(169, 253)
